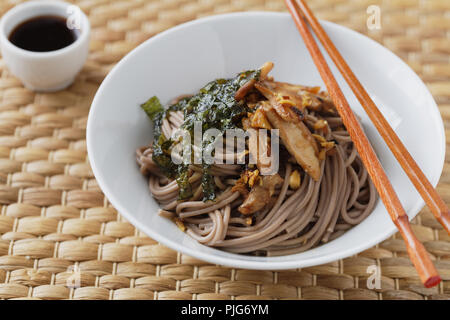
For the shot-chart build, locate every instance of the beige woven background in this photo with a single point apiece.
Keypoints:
(61, 239)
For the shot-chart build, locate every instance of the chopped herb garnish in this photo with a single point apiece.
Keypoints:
(152, 107)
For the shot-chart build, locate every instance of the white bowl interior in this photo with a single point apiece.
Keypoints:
(185, 58)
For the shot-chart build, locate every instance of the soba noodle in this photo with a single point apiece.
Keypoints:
(297, 220)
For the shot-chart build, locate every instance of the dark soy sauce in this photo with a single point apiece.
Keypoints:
(43, 33)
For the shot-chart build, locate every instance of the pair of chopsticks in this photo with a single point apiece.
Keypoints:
(417, 252)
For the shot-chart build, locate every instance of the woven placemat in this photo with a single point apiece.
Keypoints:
(61, 239)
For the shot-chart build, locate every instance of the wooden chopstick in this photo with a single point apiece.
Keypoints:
(417, 177)
(417, 253)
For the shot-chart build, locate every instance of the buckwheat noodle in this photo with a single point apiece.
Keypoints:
(317, 212)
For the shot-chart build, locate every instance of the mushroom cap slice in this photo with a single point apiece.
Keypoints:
(297, 139)
(260, 194)
(289, 108)
(300, 97)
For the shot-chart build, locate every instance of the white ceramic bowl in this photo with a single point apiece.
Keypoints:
(184, 58)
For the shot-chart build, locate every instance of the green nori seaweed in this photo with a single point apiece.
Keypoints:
(215, 107)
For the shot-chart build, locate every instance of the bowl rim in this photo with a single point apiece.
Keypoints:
(253, 264)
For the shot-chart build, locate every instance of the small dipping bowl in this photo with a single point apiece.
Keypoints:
(50, 70)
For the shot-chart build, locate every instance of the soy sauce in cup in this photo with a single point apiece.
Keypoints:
(42, 34)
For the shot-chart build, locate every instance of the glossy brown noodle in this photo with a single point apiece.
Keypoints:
(301, 219)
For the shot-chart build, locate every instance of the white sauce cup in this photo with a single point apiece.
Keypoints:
(51, 70)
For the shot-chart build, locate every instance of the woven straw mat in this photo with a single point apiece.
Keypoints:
(61, 239)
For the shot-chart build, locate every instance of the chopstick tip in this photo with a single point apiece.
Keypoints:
(433, 281)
